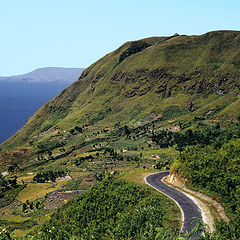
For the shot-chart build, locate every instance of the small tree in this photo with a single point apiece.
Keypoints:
(37, 205)
(31, 206)
(24, 207)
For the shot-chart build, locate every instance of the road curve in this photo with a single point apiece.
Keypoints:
(189, 209)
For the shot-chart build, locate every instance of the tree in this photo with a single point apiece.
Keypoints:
(37, 205)
(71, 131)
(13, 182)
(126, 131)
(24, 207)
(78, 129)
(31, 206)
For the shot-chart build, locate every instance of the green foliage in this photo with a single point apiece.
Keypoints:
(172, 234)
(112, 209)
(48, 176)
(5, 234)
(210, 135)
(75, 130)
(175, 77)
(8, 196)
(9, 189)
(217, 171)
(172, 112)
(80, 160)
(8, 184)
(101, 115)
(46, 146)
(178, 77)
(73, 184)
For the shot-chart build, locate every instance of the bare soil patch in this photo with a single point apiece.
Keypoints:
(55, 200)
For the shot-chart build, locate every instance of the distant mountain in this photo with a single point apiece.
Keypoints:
(48, 74)
(21, 96)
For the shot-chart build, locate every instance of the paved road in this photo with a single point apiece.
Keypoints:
(189, 208)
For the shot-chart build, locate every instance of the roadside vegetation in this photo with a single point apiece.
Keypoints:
(151, 105)
(112, 209)
(214, 169)
(129, 153)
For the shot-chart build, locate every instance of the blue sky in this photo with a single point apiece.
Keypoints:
(76, 33)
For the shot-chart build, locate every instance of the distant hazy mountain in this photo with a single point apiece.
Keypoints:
(21, 96)
(49, 74)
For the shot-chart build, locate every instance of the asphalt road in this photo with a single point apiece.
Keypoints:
(189, 209)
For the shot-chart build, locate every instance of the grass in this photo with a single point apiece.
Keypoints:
(21, 222)
(165, 151)
(137, 176)
(78, 174)
(16, 218)
(73, 184)
(10, 195)
(26, 179)
(19, 232)
(34, 191)
(113, 205)
(164, 78)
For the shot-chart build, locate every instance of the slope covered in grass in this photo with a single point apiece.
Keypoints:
(194, 75)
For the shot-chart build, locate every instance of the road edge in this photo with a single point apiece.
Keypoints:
(182, 213)
(198, 202)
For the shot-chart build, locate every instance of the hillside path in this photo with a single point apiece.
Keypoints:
(188, 208)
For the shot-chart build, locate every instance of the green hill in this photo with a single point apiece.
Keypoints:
(133, 110)
(175, 76)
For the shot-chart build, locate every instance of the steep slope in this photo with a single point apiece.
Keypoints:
(179, 77)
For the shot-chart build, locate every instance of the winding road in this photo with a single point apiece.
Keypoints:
(189, 209)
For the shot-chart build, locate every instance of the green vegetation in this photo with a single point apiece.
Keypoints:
(9, 189)
(112, 209)
(174, 77)
(47, 146)
(209, 135)
(48, 176)
(134, 47)
(215, 169)
(150, 104)
(8, 196)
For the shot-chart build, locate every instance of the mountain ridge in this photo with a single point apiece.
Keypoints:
(21, 96)
(187, 76)
(47, 74)
(161, 103)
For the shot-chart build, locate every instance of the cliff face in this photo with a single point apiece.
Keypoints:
(180, 76)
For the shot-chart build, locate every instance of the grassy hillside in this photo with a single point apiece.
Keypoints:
(144, 106)
(190, 75)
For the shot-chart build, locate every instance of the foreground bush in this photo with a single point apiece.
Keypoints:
(112, 209)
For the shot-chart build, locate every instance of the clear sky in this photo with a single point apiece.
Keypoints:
(76, 33)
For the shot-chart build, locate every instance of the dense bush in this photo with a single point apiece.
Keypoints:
(48, 176)
(210, 135)
(216, 170)
(46, 146)
(80, 160)
(112, 209)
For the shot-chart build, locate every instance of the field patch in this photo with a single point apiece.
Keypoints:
(38, 190)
